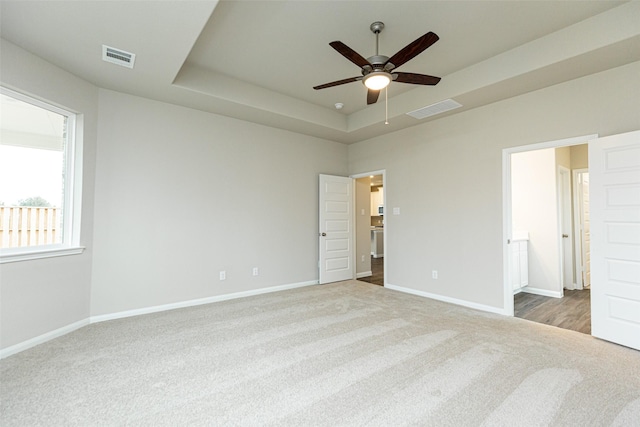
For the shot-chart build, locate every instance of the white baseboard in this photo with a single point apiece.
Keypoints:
(137, 312)
(364, 274)
(573, 287)
(25, 345)
(195, 302)
(456, 301)
(543, 292)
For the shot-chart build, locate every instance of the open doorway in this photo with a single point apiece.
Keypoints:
(546, 264)
(370, 227)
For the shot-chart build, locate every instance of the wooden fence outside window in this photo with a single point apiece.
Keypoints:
(22, 226)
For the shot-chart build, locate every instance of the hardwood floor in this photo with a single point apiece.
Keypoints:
(573, 311)
(377, 268)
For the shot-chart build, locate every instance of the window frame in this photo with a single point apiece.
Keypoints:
(72, 207)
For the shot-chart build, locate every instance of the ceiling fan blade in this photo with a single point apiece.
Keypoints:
(416, 79)
(349, 53)
(338, 83)
(372, 96)
(413, 49)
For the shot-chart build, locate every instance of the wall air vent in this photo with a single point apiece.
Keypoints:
(433, 109)
(117, 56)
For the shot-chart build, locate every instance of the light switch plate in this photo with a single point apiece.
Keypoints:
(396, 211)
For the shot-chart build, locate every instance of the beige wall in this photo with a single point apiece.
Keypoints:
(244, 195)
(183, 194)
(37, 297)
(580, 156)
(563, 157)
(446, 177)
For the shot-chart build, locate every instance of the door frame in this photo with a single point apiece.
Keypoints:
(322, 231)
(563, 182)
(507, 229)
(578, 225)
(382, 172)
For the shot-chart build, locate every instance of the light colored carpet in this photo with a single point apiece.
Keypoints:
(349, 353)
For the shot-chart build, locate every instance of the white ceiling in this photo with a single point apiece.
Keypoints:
(258, 60)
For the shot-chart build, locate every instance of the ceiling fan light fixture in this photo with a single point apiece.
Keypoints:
(377, 80)
(377, 70)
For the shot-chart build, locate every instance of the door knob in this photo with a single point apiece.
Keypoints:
(564, 236)
(323, 234)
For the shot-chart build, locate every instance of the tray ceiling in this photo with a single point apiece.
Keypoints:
(258, 60)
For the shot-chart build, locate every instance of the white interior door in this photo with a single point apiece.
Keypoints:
(614, 174)
(336, 229)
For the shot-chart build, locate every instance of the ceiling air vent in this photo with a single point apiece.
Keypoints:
(117, 56)
(433, 109)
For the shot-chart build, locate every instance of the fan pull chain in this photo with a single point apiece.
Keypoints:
(386, 106)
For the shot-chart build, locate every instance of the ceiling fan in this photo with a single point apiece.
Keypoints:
(377, 71)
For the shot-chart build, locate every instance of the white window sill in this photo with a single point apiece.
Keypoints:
(28, 254)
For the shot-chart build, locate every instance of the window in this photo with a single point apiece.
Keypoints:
(39, 187)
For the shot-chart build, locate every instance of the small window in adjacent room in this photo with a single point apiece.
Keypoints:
(39, 186)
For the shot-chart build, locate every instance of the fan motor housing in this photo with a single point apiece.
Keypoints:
(378, 60)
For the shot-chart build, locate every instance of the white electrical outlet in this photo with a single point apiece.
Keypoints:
(362, 258)
(223, 275)
(434, 274)
(255, 271)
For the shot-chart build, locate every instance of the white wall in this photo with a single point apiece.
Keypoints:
(446, 177)
(535, 210)
(41, 296)
(183, 194)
